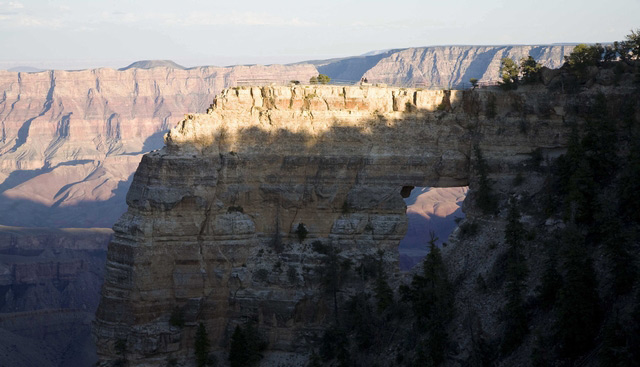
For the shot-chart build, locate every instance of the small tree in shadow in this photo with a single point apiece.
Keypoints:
(301, 232)
(485, 198)
(202, 346)
(247, 345)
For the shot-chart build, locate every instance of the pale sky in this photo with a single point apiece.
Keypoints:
(94, 33)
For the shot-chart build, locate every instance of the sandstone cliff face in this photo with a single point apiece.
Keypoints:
(70, 140)
(451, 66)
(212, 218)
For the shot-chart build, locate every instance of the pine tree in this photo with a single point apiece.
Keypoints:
(516, 273)
(578, 305)
(431, 297)
(202, 345)
(246, 346)
(509, 73)
(530, 70)
(383, 293)
(551, 283)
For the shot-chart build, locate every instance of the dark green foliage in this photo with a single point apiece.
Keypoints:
(346, 208)
(237, 208)
(518, 180)
(468, 229)
(536, 158)
(629, 187)
(578, 306)
(246, 346)
(177, 317)
(360, 320)
(516, 274)
(634, 328)
(121, 346)
(608, 229)
(589, 165)
(202, 345)
(632, 43)
(314, 360)
(276, 241)
(530, 70)
(121, 350)
(313, 80)
(551, 283)
(595, 186)
(301, 232)
(323, 79)
(431, 298)
(509, 74)
(538, 353)
(261, 275)
(334, 346)
(582, 57)
(384, 293)
(481, 284)
(615, 348)
(485, 198)
(474, 82)
(333, 271)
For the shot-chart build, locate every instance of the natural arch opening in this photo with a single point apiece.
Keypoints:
(429, 209)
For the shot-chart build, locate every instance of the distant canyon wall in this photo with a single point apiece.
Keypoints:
(440, 66)
(50, 283)
(70, 140)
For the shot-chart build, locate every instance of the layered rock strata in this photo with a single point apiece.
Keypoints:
(49, 290)
(453, 66)
(213, 224)
(71, 140)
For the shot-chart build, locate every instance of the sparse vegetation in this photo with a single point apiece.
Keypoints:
(509, 73)
(202, 346)
(177, 317)
(247, 345)
(530, 69)
(237, 209)
(431, 298)
(301, 232)
(320, 79)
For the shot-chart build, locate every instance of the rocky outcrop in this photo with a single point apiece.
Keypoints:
(215, 219)
(70, 140)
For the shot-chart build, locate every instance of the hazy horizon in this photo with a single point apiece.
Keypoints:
(74, 34)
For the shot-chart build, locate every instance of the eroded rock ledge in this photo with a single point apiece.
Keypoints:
(211, 228)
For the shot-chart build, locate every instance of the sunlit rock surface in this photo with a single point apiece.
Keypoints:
(212, 218)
